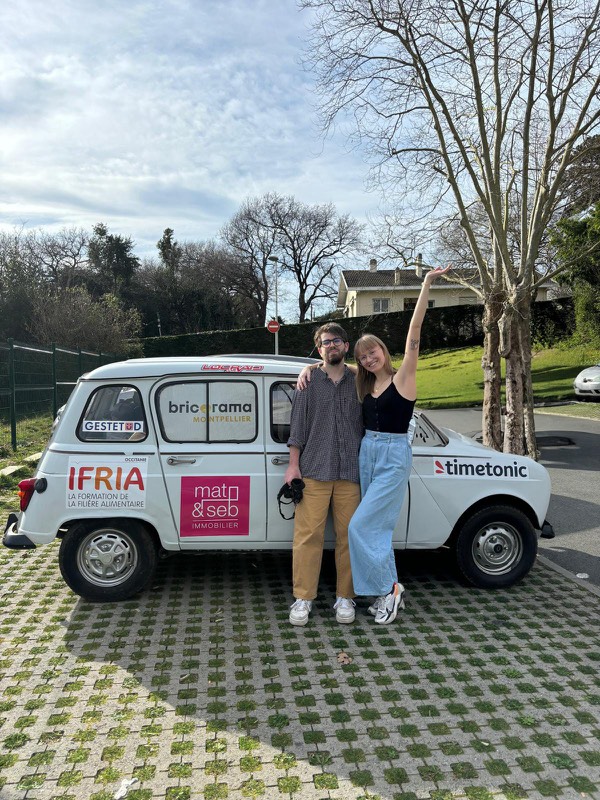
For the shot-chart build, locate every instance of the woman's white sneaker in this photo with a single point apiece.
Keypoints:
(299, 612)
(393, 601)
(344, 610)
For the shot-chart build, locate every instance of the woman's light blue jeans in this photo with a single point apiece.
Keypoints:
(385, 461)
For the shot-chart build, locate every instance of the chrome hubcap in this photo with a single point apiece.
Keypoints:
(107, 557)
(497, 548)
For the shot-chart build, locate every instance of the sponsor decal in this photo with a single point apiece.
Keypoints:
(471, 468)
(232, 367)
(112, 482)
(95, 425)
(217, 412)
(215, 506)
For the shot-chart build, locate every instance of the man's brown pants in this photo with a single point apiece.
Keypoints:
(309, 535)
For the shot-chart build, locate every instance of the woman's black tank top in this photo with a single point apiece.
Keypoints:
(388, 413)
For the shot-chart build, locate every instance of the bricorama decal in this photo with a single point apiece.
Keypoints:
(109, 482)
(217, 412)
(469, 468)
(107, 425)
(215, 506)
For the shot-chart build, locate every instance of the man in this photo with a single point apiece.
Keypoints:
(325, 434)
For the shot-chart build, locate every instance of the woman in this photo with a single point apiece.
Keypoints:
(388, 398)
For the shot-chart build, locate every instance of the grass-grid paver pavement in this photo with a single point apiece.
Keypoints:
(199, 688)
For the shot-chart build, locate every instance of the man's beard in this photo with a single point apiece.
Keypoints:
(335, 358)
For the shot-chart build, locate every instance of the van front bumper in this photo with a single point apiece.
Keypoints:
(14, 540)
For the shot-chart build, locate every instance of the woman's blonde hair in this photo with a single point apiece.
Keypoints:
(365, 380)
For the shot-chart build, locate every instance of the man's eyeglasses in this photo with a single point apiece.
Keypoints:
(328, 342)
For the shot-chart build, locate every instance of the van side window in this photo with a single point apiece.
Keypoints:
(208, 411)
(282, 395)
(113, 414)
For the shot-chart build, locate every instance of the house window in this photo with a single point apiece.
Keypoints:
(410, 303)
(381, 305)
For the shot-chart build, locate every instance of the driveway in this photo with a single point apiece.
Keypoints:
(199, 689)
(570, 450)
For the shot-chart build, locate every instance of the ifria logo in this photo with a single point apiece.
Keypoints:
(471, 468)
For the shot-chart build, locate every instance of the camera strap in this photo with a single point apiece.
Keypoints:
(290, 496)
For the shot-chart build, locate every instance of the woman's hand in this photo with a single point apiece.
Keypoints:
(433, 274)
(304, 377)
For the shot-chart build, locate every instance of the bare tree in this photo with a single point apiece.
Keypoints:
(62, 257)
(311, 240)
(308, 241)
(475, 106)
(251, 239)
(19, 278)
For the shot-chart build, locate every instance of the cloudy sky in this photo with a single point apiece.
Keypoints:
(147, 114)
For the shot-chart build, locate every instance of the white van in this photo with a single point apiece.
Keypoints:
(171, 454)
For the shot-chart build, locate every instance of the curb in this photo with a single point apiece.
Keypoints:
(547, 562)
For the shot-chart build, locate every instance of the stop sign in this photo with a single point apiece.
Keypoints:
(273, 325)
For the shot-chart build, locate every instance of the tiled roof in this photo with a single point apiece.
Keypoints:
(386, 278)
(383, 278)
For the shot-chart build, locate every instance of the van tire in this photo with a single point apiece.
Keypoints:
(496, 547)
(107, 561)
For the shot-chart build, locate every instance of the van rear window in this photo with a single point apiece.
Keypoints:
(208, 411)
(113, 414)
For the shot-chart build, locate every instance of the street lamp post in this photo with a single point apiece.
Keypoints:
(275, 261)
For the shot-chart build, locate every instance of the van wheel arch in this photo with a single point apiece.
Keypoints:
(107, 560)
(489, 502)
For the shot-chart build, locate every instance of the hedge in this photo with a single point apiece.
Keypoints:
(448, 327)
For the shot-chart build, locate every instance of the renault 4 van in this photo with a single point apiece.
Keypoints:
(163, 455)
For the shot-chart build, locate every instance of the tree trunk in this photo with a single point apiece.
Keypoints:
(490, 363)
(514, 428)
(519, 433)
(524, 331)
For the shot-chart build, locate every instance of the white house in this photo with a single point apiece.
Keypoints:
(377, 291)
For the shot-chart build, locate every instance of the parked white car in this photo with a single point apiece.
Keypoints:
(184, 454)
(587, 383)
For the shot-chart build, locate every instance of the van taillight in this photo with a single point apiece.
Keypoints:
(26, 488)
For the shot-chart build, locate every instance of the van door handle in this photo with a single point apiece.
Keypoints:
(179, 460)
(280, 460)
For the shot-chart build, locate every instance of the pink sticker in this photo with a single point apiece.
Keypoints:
(215, 506)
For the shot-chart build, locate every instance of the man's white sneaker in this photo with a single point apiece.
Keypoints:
(299, 612)
(377, 604)
(344, 610)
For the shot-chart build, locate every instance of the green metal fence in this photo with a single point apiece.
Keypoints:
(35, 381)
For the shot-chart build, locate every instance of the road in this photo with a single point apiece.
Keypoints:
(570, 451)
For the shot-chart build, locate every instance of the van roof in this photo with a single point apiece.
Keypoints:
(204, 365)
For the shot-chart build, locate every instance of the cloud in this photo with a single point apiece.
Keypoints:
(153, 114)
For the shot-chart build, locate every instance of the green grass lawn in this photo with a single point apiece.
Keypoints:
(581, 410)
(453, 378)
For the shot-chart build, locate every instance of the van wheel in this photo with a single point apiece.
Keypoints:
(105, 562)
(496, 547)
